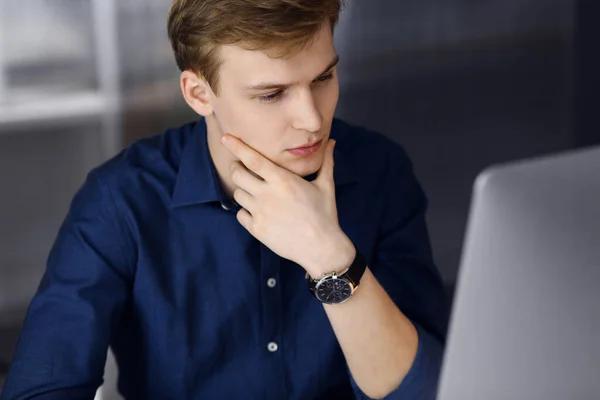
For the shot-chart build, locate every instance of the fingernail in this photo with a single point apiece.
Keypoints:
(224, 139)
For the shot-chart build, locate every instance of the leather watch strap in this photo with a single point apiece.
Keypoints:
(354, 272)
(357, 268)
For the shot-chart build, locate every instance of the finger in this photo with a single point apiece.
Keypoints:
(325, 175)
(245, 199)
(251, 158)
(244, 178)
(245, 219)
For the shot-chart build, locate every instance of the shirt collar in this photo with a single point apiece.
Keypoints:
(197, 181)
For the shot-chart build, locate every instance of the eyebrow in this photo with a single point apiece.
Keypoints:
(268, 85)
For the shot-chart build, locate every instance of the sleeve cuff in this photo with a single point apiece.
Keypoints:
(422, 379)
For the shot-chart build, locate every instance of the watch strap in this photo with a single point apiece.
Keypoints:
(354, 272)
(356, 269)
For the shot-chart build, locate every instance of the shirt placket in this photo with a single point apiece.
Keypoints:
(272, 332)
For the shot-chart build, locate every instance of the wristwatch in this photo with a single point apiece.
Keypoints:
(334, 288)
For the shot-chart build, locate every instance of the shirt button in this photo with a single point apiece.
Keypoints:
(272, 347)
(271, 282)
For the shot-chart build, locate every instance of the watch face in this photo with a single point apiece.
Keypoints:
(333, 290)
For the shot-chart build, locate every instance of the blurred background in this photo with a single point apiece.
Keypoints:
(461, 84)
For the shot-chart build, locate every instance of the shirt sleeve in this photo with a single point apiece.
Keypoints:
(403, 265)
(421, 380)
(63, 345)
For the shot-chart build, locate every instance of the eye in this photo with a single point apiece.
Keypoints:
(324, 78)
(270, 98)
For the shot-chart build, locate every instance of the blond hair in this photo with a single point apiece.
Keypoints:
(197, 28)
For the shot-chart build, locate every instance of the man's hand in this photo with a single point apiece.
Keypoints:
(295, 218)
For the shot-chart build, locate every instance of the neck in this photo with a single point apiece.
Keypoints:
(221, 157)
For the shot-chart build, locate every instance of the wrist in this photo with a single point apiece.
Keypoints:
(335, 255)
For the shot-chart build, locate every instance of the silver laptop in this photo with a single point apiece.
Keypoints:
(526, 317)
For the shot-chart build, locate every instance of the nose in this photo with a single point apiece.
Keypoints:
(305, 113)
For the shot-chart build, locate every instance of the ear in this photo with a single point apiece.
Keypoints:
(197, 93)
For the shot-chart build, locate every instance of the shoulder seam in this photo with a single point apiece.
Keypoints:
(116, 215)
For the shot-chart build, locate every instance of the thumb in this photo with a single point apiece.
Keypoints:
(325, 176)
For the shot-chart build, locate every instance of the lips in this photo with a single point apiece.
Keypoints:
(306, 150)
(306, 146)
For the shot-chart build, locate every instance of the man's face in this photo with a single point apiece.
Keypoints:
(276, 105)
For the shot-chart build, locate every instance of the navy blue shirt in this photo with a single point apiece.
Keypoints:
(152, 261)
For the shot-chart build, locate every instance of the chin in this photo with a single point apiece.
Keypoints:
(305, 168)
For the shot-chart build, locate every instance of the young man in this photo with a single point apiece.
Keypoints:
(189, 252)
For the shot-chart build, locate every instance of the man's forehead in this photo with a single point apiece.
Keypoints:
(253, 66)
(258, 65)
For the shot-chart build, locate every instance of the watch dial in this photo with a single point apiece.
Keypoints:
(332, 291)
